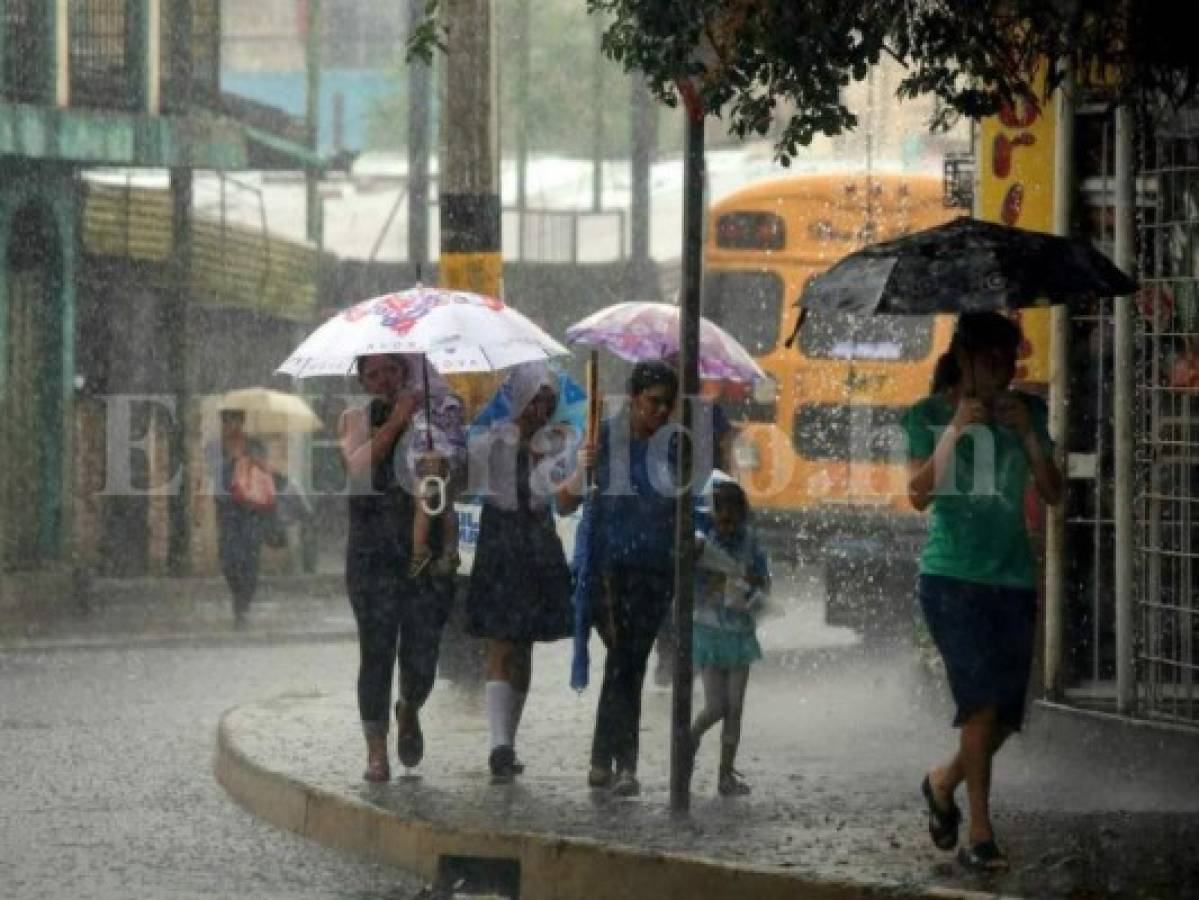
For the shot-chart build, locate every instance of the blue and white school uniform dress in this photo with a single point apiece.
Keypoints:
(726, 606)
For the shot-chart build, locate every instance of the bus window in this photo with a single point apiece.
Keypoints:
(883, 338)
(746, 304)
(751, 231)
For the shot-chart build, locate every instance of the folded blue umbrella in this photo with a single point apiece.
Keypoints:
(586, 589)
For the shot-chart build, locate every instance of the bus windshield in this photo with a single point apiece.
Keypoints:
(878, 338)
(822, 433)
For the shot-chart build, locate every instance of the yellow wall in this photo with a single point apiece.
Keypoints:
(1015, 174)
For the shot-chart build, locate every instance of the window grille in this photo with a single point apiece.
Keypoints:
(104, 61)
(1168, 428)
(26, 51)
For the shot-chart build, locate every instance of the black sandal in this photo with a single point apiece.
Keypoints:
(985, 856)
(943, 824)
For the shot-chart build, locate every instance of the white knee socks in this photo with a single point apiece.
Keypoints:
(501, 706)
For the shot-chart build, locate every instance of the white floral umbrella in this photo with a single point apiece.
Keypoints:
(456, 331)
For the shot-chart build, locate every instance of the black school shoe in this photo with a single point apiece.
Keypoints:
(985, 856)
(502, 763)
(410, 742)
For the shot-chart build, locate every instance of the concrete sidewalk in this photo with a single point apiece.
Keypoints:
(164, 610)
(835, 755)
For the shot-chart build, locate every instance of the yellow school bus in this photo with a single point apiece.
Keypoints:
(818, 452)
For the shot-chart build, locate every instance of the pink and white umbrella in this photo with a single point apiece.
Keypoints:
(455, 330)
(643, 331)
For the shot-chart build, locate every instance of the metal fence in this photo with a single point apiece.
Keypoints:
(1090, 614)
(564, 235)
(196, 83)
(234, 263)
(1168, 428)
(1090, 535)
(567, 236)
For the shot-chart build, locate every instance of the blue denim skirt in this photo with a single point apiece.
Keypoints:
(985, 634)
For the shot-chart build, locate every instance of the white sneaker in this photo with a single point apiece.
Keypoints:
(626, 784)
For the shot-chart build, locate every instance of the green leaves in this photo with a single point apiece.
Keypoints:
(426, 36)
(746, 56)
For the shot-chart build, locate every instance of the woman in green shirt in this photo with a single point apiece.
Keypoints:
(973, 446)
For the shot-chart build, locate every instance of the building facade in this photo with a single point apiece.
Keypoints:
(87, 84)
(1122, 571)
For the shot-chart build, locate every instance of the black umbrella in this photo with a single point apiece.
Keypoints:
(965, 266)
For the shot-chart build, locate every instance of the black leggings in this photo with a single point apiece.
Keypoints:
(633, 604)
(396, 616)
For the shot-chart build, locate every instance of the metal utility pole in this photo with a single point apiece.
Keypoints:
(312, 174)
(644, 132)
(419, 86)
(522, 121)
(470, 201)
(1059, 382)
(1123, 378)
(176, 325)
(597, 119)
(178, 304)
(339, 124)
(684, 572)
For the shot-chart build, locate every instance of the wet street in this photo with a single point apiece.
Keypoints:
(106, 765)
(108, 741)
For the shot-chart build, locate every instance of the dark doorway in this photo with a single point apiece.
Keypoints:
(32, 425)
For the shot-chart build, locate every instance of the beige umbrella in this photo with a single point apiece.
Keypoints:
(271, 412)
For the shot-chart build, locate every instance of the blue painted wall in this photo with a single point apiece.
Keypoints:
(362, 88)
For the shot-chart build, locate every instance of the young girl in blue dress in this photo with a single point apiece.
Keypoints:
(731, 589)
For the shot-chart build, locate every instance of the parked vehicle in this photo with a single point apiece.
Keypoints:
(820, 449)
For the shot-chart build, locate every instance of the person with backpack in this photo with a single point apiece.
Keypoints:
(244, 495)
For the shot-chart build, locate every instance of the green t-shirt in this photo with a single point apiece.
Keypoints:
(977, 530)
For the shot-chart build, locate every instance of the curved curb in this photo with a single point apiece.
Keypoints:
(552, 867)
